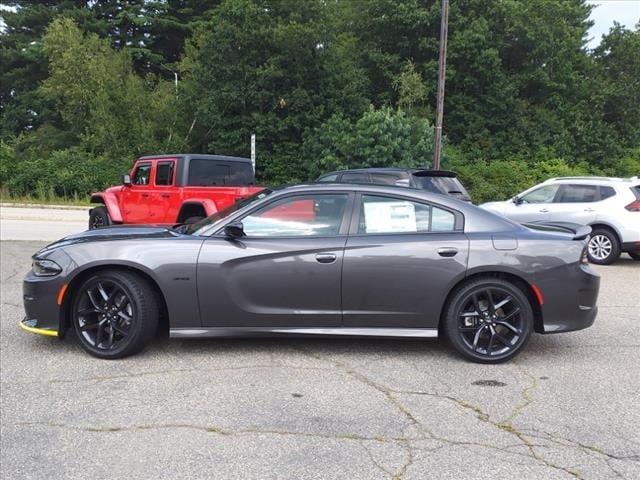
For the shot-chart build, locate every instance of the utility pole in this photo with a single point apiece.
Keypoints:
(442, 67)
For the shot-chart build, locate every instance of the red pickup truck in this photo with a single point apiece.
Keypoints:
(170, 189)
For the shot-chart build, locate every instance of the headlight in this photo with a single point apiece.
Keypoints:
(45, 268)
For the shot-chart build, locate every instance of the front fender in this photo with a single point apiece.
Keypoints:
(110, 201)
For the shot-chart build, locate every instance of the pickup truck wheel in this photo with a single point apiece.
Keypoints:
(191, 220)
(99, 217)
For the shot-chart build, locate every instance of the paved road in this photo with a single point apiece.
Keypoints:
(46, 224)
(567, 407)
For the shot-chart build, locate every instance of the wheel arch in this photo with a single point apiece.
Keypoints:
(81, 275)
(110, 202)
(514, 278)
(607, 226)
(196, 207)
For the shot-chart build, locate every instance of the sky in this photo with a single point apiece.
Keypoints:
(605, 12)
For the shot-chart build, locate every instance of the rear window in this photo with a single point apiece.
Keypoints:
(206, 173)
(355, 177)
(636, 191)
(446, 185)
(578, 194)
(390, 179)
(607, 192)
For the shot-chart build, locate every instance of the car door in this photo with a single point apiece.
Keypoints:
(401, 259)
(575, 203)
(166, 196)
(136, 197)
(285, 271)
(533, 205)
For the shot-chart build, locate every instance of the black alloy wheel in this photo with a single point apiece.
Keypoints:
(115, 314)
(489, 320)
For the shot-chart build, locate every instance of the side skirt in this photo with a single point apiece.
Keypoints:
(209, 332)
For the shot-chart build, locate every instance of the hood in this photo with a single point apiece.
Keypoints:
(115, 232)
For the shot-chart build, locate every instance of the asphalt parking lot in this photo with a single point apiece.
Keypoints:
(567, 407)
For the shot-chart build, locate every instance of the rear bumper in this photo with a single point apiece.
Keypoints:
(39, 296)
(570, 299)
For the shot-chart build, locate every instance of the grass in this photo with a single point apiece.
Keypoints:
(44, 198)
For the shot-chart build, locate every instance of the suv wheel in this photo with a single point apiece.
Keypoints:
(604, 248)
(99, 217)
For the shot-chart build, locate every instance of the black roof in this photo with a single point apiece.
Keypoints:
(224, 158)
(418, 172)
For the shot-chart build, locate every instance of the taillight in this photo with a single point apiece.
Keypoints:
(634, 206)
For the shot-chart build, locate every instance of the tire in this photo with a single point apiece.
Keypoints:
(115, 314)
(191, 220)
(604, 247)
(98, 218)
(484, 338)
(635, 255)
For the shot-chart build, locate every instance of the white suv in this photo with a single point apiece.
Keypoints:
(611, 206)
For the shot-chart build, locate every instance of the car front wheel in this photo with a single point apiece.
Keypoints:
(115, 314)
(488, 320)
(604, 248)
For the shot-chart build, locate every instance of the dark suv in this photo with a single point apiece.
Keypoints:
(436, 181)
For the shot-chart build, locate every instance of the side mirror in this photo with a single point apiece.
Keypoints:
(234, 230)
(126, 179)
(517, 200)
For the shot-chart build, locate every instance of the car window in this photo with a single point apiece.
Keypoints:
(299, 216)
(328, 178)
(607, 192)
(142, 174)
(164, 173)
(397, 215)
(355, 177)
(544, 194)
(389, 179)
(207, 173)
(578, 194)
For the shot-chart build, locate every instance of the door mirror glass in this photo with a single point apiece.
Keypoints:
(126, 179)
(517, 200)
(234, 230)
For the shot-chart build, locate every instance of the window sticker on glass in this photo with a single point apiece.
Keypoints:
(397, 216)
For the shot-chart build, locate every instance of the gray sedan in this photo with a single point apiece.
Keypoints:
(321, 259)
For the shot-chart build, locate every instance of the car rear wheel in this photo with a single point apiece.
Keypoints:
(98, 218)
(115, 314)
(635, 255)
(191, 220)
(604, 248)
(488, 320)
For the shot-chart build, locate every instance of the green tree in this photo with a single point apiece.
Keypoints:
(379, 138)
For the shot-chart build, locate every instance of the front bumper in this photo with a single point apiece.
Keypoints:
(570, 299)
(40, 296)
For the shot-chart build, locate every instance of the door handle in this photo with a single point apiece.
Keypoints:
(326, 257)
(145, 195)
(589, 210)
(447, 251)
(165, 195)
(544, 210)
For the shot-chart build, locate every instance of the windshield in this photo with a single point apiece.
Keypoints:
(199, 227)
